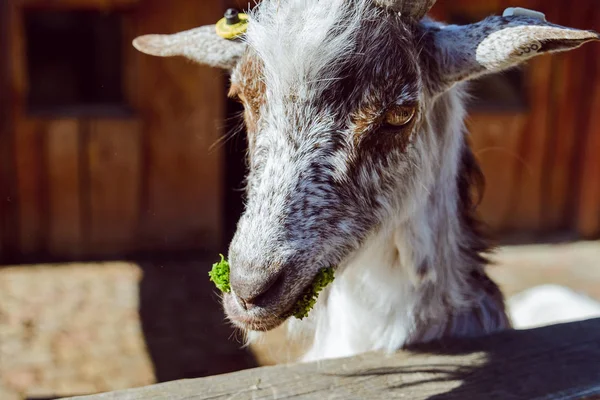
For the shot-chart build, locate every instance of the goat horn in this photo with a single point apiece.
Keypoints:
(415, 8)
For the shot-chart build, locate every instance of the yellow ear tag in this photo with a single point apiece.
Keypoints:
(233, 25)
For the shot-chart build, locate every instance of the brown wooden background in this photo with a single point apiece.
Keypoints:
(104, 184)
(99, 184)
(541, 165)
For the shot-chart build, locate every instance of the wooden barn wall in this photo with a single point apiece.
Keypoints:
(7, 182)
(110, 185)
(182, 105)
(75, 187)
(543, 175)
(587, 171)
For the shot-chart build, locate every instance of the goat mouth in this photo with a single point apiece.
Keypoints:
(251, 322)
(261, 318)
(271, 309)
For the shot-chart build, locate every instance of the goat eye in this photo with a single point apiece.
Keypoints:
(400, 115)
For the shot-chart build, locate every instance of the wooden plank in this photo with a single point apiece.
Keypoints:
(569, 103)
(103, 5)
(558, 362)
(8, 184)
(587, 219)
(183, 106)
(131, 57)
(495, 140)
(113, 152)
(28, 151)
(527, 204)
(588, 211)
(32, 186)
(5, 111)
(526, 211)
(62, 153)
(563, 115)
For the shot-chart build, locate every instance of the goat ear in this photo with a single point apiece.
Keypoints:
(201, 45)
(499, 43)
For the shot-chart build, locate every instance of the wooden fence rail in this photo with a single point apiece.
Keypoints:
(558, 362)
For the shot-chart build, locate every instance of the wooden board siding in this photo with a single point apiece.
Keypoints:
(9, 87)
(100, 184)
(114, 176)
(30, 147)
(568, 116)
(6, 131)
(182, 105)
(495, 139)
(63, 171)
(587, 172)
(539, 164)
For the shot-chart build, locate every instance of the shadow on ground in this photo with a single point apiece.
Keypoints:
(183, 323)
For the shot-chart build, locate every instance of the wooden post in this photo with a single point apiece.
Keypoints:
(587, 219)
(8, 200)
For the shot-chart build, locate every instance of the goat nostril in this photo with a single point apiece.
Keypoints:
(249, 289)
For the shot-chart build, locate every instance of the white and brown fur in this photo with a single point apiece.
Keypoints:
(392, 208)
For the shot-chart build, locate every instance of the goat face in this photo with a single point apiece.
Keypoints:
(330, 145)
(337, 96)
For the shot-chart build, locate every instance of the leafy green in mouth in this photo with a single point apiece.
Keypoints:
(219, 275)
(309, 297)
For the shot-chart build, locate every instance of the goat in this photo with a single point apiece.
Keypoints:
(358, 159)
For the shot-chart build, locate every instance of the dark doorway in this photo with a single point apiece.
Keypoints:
(235, 149)
(81, 68)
